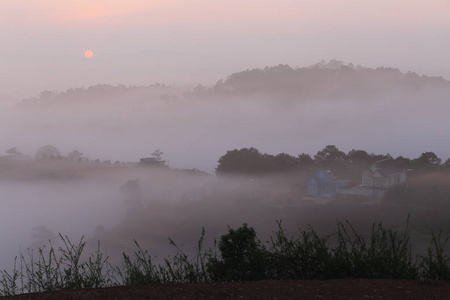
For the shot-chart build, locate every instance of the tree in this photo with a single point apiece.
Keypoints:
(243, 256)
(157, 154)
(47, 152)
(13, 151)
(281, 162)
(47, 95)
(75, 155)
(243, 161)
(360, 157)
(305, 161)
(446, 164)
(427, 160)
(329, 155)
(403, 161)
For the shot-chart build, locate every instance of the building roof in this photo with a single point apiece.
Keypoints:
(151, 160)
(324, 176)
(389, 166)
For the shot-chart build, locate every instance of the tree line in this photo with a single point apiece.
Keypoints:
(251, 161)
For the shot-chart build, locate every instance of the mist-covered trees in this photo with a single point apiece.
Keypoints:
(47, 152)
(101, 92)
(243, 161)
(157, 154)
(250, 161)
(325, 78)
(13, 151)
(75, 155)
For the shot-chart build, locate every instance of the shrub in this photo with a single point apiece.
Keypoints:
(242, 257)
(436, 265)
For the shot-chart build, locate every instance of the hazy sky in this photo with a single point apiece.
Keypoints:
(200, 41)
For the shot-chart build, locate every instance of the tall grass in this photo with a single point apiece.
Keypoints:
(436, 264)
(303, 257)
(179, 268)
(385, 254)
(237, 256)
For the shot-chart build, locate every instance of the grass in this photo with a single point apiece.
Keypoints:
(237, 256)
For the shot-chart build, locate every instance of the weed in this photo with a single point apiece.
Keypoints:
(237, 256)
(436, 265)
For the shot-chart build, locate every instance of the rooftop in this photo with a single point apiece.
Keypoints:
(389, 166)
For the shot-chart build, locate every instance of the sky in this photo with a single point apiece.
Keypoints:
(201, 41)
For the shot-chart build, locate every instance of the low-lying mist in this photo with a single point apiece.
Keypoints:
(125, 124)
(194, 133)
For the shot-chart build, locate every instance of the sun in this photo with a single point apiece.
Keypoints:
(88, 54)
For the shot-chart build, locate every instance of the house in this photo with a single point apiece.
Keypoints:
(383, 175)
(151, 162)
(325, 184)
(377, 179)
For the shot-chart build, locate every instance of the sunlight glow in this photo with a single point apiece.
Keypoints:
(88, 54)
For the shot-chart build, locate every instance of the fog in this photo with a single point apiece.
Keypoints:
(124, 124)
(194, 133)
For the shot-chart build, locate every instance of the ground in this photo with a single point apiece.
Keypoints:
(286, 289)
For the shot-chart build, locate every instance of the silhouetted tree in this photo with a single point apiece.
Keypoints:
(158, 154)
(360, 157)
(329, 155)
(305, 161)
(427, 160)
(404, 161)
(243, 161)
(242, 256)
(446, 164)
(281, 162)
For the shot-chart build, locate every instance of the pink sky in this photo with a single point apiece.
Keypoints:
(52, 34)
(366, 13)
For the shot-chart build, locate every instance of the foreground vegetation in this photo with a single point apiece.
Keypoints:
(237, 256)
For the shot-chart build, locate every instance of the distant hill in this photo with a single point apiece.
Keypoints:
(332, 79)
(277, 109)
(324, 79)
(105, 92)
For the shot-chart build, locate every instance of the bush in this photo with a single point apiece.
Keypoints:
(242, 257)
